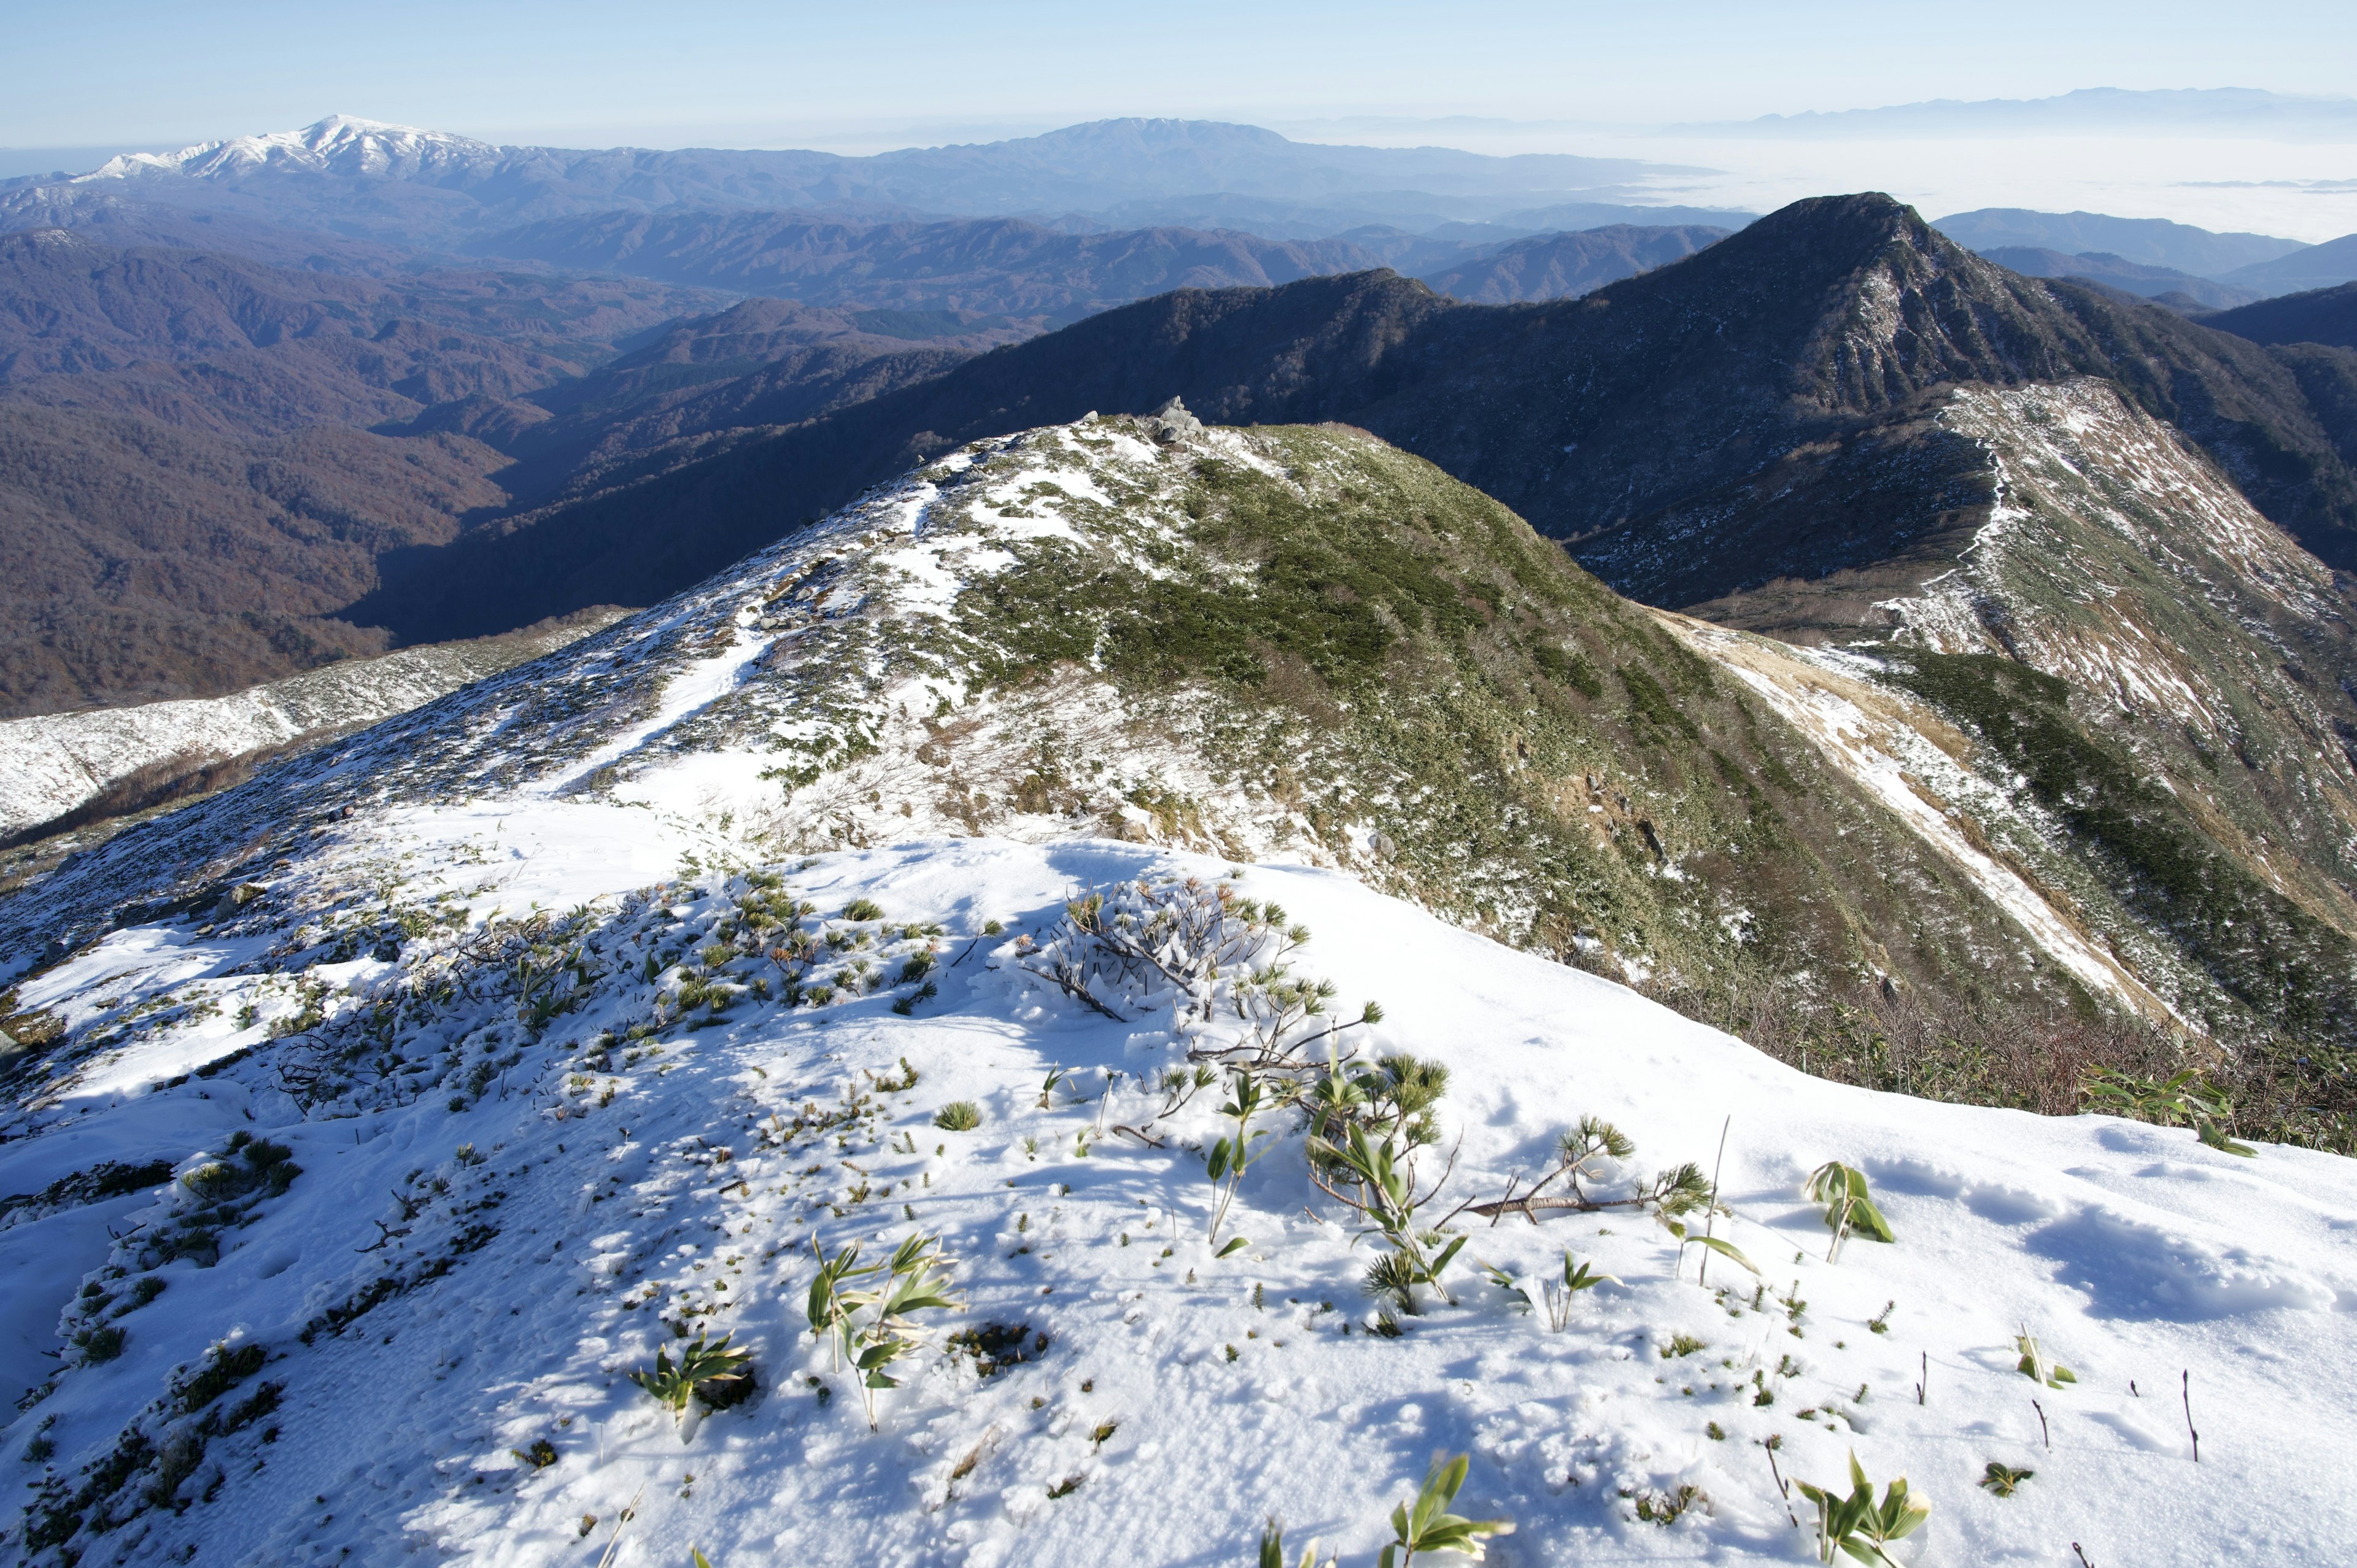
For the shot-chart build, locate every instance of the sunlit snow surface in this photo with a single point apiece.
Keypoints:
(2133, 1253)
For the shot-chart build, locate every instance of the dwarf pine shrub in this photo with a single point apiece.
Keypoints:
(222, 1370)
(1380, 1184)
(1403, 1092)
(99, 1345)
(219, 1194)
(1580, 1153)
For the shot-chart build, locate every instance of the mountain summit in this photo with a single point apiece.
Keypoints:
(338, 144)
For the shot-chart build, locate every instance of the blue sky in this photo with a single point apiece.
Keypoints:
(592, 73)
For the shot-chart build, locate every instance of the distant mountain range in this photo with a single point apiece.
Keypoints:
(1003, 265)
(1565, 266)
(2165, 284)
(1407, 212)
(1105, 197)
(2146, 241)
(426, 190)
(2121, 251)
(2319, 266)
(2094, 111)
(16, 163)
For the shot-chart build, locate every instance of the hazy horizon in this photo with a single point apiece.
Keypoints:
(2304, 189)
(711, 72)
(1519, 76)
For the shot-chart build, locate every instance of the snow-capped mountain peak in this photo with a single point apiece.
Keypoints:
(340, 143)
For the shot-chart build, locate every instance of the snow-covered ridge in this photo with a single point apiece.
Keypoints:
(829, 693)
(829, 662)
(52, 764)
(336, 144)
(2075, 457)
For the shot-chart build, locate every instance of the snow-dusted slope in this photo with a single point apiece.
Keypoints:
(2085, 484)
(495, 1221)
(55, 763)
(431, 1085)
(1074, 631)
(1902, 750)
(2126, 688)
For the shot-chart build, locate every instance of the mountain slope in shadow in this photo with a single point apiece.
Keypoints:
(1756, 412)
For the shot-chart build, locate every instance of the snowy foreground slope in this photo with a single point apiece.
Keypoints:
(374, 1121)
(539, 1237)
